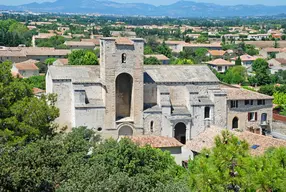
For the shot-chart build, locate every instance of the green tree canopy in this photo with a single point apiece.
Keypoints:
(238, 61)
(78, 161)
(229, 167)
(152, 61)
(235, 75)
(148, 50)
(260, 65)
(82, 57)
(36, 81)
(23, 117)
(164, 49)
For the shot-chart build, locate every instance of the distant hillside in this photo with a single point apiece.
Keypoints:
(179, 9)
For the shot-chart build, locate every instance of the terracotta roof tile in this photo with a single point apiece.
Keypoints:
(124, 41)
(156, 141)
(79, 43)
(27, 65)
(246, 58)
(220, 62)
(159, 57)
(206, 140)
(282, 61)
(217, 52)
(37, 91)
(243, 94)
(16, 75)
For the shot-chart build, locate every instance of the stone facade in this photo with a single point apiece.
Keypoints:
(123, 97)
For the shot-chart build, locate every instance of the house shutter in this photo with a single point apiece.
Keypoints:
(255, 116)
(248, 116)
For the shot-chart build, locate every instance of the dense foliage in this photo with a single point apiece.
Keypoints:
(83, 57)
(54, 41)
(230, 167)
(151, 61)
(13, 33)
(23, 117)
(36, 81)
(78, 162)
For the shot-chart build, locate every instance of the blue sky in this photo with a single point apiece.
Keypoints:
(164, 2)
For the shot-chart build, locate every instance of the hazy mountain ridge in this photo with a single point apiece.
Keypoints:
(179, 9)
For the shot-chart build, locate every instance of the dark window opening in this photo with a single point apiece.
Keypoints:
(207, 112)
(261, 102)
(248, 102)
(233, 104)
(152, 126)
(123, 58)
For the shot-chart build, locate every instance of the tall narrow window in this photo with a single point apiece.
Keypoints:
(207, 112)
(234, 104)
(152, 126)
(123, 58)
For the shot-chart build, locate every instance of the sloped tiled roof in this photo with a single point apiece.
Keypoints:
(178, 73)
(206, 140)
(123, 41)
(243, 94)
(156, 141)
(79, 43)
(282, 61)
(219, 62)
(246, 58)
(27, 65)
(76, 73)
(159, 57)
(217, 52)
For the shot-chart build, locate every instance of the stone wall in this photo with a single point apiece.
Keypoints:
(242, 114)
(279, 127)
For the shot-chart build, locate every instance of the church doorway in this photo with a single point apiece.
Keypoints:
(125, 131)
(180, 132)
(235, 123)
(124, 84)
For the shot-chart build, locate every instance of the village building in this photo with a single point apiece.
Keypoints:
(215, 54)
(277, 64)
(26, 69)
(122, 97)
(270, 52)
(80, 45)
(248, 110)
(20, 54)
(258, 144)
(162, 58)
(258, 37)
(193, 36)
(229, 37)
(61, 62)
(220, 65)
(246, 60)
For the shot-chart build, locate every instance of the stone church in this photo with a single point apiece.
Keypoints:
(122, 96)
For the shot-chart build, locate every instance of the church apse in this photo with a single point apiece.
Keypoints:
(124, 84)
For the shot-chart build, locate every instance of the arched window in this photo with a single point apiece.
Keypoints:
(207, 112)
(123, 58)
(235, 123)
(152, 126)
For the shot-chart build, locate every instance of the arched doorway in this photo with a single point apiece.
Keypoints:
(125, 131)
(180, 132)
(235, 123)
(124, 84)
